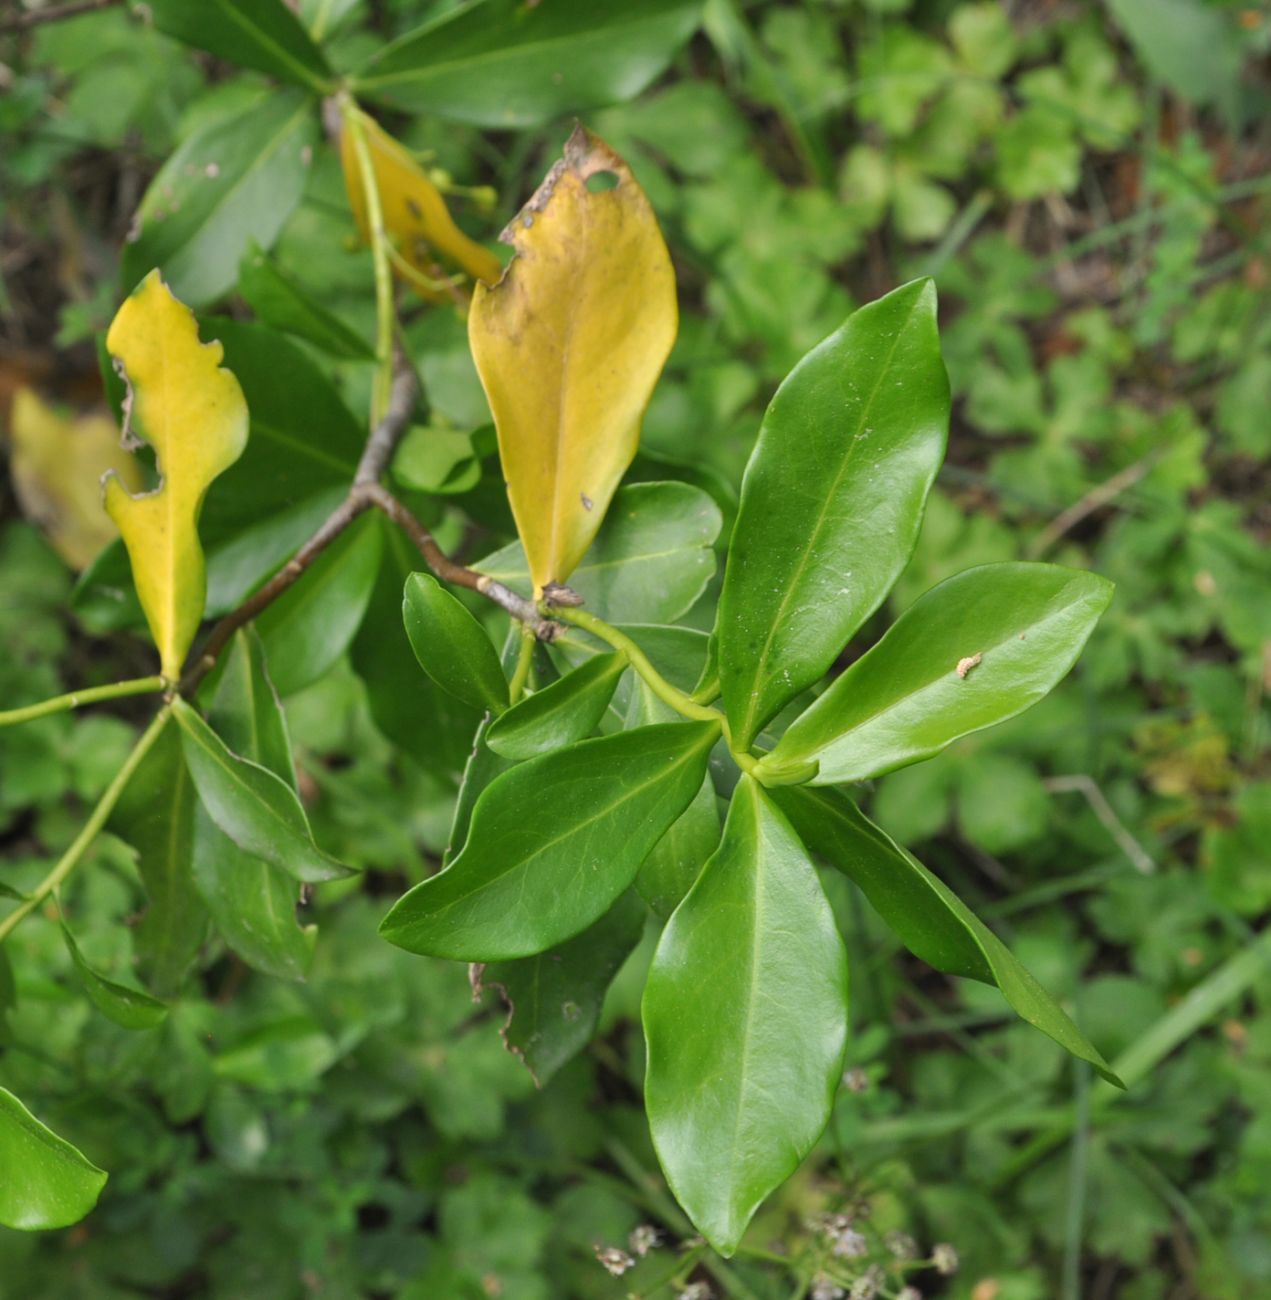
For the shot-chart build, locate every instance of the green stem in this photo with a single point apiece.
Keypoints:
(684, 704)
(88, 833)
(521, 673)
(355, 124)
(60, 703)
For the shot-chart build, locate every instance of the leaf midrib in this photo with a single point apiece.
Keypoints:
(578, 827)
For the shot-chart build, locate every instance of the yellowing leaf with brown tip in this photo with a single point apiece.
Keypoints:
(57, 463)
(194, 415)
(569, 344)
(416, 218)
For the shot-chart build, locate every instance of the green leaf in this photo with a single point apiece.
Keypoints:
(650, 561)
(745, 1015)
(44, 1181)
(451, 646)
(280, 302)
(552, 844)
(260, 34)
(432, 726)
(232, 181)
(256, 809)
(566, 711)
(156, 816)
(1192, 46)
(831, 502)
(128, 1008)
(676, 860)
(973, 651)
(252, 902)
(553, 999)
(311, 624)
(928, 918)
(500, 64)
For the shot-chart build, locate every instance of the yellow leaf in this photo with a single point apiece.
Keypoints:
(194, 416)
(57, 465)
(416, 218)
(569, 344)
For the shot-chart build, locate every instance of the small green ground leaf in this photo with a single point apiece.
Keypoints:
(44, 1181)
(972, 652)
(745, 1015)
(567, 710)
(928, 918)
(553, 999)
(552, 843)
(831, 502)
(451, 646)
(256, 809)
(128, 1008)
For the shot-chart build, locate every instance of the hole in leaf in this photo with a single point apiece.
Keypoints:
(599, 182)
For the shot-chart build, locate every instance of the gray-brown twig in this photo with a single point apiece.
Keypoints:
(365, 493)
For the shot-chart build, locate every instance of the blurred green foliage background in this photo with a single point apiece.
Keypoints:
(1090, 184)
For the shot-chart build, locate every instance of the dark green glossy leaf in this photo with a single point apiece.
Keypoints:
(236, 567)
(433, 727)
(235, 180)
(303, 439)
(831, 502)
(677, 859)
(44, 1181)
(566, 711)
(552, 844)
(280, 302)
(745, 1015)
(553, 999)
(128, 1008)
(928, 918)
(451, 646)
(311, 624)
(252, 902)
(260, 34)
(650, 561)
(156, 816)
(502, 64)
(256, 809)
(973, 651)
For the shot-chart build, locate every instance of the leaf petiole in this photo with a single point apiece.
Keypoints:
(88, 833)
(521, 673)
(381, 392)
(73, 699)
(679, 700)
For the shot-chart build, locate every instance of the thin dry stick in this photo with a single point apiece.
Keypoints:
(1093, 500)
(53, 13)
(1103, 810)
